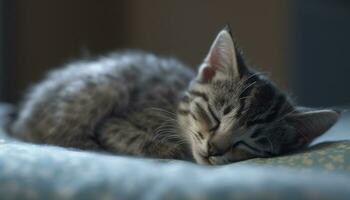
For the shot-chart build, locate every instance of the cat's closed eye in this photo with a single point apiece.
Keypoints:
(224, 113)
(227, 110)
(265, 122)
(215, 127)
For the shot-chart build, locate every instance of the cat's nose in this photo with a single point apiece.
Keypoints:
(213, 150)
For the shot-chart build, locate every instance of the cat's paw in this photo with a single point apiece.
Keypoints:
(231, 156)
(218, 160)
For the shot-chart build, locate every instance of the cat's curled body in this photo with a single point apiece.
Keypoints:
(140, 104)
(120, 103)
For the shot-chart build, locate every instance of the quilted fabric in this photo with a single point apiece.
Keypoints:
(29, 171)
(328, 156)
(45, 172)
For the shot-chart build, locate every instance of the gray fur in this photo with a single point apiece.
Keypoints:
(241, 114)
(107, 103)
(139, 104)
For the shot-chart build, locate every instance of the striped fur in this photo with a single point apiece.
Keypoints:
(243, 114)
(138, 104)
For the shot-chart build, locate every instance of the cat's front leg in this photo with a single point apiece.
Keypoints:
(123, 137)
(233, 155)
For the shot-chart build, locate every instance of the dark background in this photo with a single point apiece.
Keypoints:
(304, 45)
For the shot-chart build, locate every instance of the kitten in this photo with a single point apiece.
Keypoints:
(135, 103)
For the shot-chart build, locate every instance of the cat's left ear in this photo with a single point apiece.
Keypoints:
(309, 125)
(222, 59)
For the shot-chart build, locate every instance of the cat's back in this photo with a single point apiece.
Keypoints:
(131, 67)
(86, 91)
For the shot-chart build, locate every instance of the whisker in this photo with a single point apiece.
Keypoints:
(253, 75)
(162, 111)
(284, 116)
(245, 89)
(243, 82)
(244, 98)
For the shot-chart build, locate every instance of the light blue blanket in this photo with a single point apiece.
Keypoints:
(30, 171)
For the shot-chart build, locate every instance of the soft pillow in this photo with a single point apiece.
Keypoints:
(29, 171)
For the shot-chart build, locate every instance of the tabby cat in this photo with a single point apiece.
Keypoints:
(135, 103)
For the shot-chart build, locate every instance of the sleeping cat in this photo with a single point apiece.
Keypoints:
(134, 103)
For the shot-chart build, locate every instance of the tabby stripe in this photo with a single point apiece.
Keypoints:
(194, 117)
(272, 116)
(146, 145)
(200, 135)
(276, 109)
(132, 139)
(183, 112)
(248, 146)
(213, 115)
(242, 100)
(256, 133)
(195, 135)
(202, 112)
(199, 94)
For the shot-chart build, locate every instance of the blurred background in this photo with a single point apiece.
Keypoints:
(305, 45)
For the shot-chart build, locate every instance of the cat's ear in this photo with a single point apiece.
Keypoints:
(222, 59)
(310, 124)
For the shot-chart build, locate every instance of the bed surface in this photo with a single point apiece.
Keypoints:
(29, 171)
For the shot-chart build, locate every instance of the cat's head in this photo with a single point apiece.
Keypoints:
(232, 113)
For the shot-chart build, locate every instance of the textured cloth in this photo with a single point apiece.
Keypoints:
(330, 156)
(29, 171)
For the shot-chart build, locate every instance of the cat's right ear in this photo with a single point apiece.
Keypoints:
(222, 59)
(310, 124)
